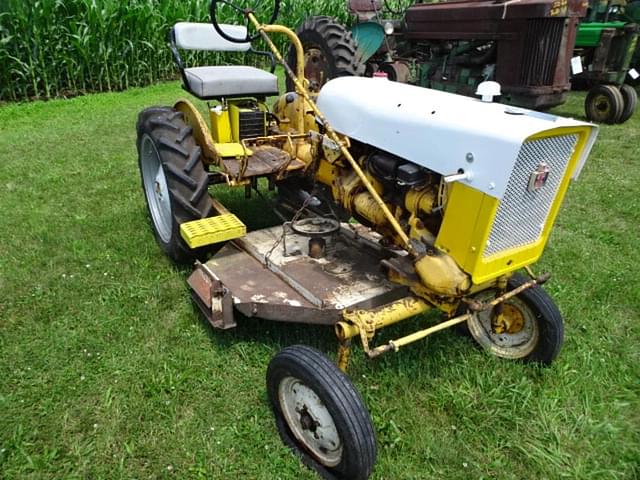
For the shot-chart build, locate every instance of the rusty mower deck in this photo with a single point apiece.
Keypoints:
(272, 276)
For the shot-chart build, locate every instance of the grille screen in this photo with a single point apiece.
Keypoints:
(543, 40)
(252, 124)
(522, 214)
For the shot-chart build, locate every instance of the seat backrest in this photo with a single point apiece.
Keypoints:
(202, 36)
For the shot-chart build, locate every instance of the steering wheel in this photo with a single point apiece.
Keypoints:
(244, 12)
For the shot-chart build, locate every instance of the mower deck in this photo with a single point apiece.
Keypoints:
(266, 276)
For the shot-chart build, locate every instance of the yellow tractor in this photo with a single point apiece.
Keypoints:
(401, 200)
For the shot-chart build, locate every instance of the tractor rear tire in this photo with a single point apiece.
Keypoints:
(604, 104)
(630, 99)
(330, 51)
(320, 415)
(174, 179)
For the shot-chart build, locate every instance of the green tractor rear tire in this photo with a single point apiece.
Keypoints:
(329, 50)
(630, 98)
(174, 179)
(604, 104)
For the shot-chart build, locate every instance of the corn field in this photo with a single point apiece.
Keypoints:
(58, 48)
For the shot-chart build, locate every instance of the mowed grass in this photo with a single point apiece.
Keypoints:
(107, 370)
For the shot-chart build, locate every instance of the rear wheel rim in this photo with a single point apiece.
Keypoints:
(310, 421)
(316, 68)
(515, 345)
(156, 189)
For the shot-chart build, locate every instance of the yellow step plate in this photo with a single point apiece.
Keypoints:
(207, 231)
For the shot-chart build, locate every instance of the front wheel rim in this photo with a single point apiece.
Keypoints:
(507, 345)
(310, 421)
(156, 189)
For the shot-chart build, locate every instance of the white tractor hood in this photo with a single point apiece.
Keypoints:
(440, 131)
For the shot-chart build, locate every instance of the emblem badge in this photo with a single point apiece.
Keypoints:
(538, 177)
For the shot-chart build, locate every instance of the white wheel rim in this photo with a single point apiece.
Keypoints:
(155, 189)
(506, 345)
(310, 421)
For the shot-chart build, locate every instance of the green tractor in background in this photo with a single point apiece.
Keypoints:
(455, 46)
(633, 12)
(607, 44)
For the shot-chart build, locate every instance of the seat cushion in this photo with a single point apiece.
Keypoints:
(230, 81)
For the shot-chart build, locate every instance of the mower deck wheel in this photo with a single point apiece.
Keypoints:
(630, 99)
(536, 331)
(604, 104)
(320, 415)
(174, 180)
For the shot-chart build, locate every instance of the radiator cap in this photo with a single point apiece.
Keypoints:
(488, 90)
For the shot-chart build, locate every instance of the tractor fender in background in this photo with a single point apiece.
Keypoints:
(368, 37)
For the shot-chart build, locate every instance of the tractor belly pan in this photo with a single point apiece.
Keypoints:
(293, 287)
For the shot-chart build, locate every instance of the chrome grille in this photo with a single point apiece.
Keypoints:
(522, 214)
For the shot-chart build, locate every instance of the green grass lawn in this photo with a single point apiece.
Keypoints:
(108, 371)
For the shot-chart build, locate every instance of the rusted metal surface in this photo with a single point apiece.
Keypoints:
(395, 345)
(201, 131)
(344, 353)
(212, 296)
(364, 323)
(534, 41)
(317, 247)
(315, 226)
(477, 306)
(316, 68)
(264, 161)
(368, 321)
(265, 281)
(256, 291)
(507, 318)
(365, 5)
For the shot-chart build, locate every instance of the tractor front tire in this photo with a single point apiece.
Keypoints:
(320, 415)
(174, 179)
(537, 327)
(604, 104)
(630, 100)
(329, 52)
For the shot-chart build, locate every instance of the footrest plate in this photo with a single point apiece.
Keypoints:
(207, 231)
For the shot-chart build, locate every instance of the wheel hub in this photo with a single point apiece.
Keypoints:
(507, 319)
(514, 318)
(315, 68)
(310, 421)
(513, 334)
(306, 420)
(603, 105)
